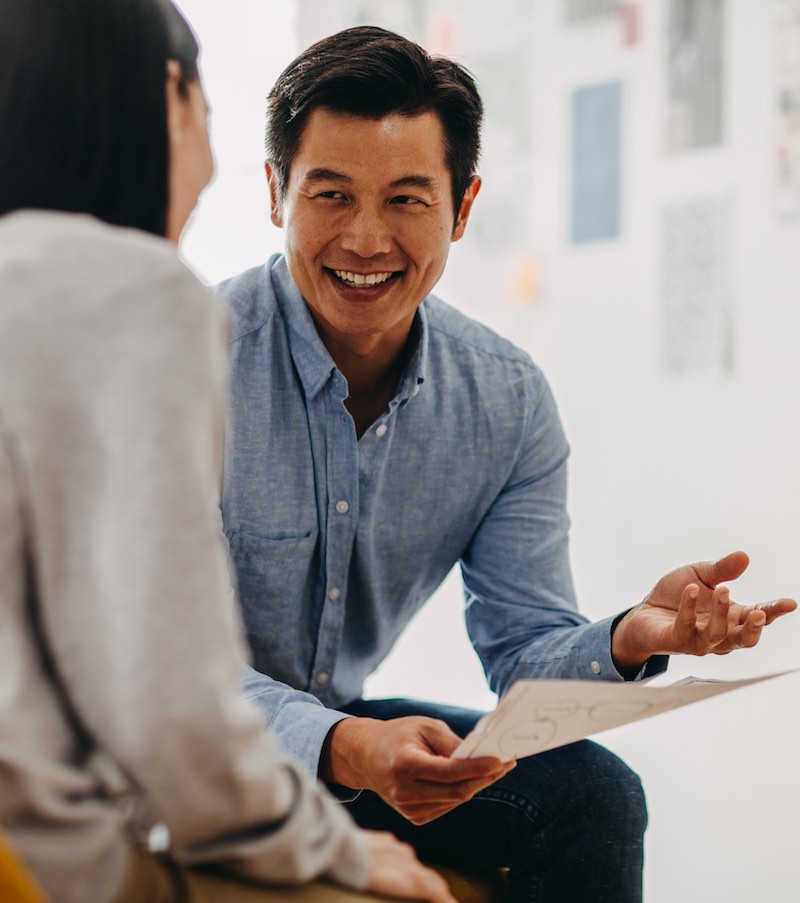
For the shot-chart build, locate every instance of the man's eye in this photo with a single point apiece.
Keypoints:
(406, 200)
(335, 195)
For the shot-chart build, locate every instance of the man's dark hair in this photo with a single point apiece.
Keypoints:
(83, 120)
(370, 72)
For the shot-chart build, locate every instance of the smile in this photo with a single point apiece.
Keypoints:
(359, 279)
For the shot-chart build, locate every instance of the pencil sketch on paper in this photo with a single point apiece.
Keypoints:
(537, 715)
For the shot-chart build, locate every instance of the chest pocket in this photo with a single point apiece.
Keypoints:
(275, 581)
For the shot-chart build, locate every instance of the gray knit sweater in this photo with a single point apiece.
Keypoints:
(120, 647)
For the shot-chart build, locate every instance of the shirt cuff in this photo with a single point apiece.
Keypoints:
(301, 728)
(595, 662)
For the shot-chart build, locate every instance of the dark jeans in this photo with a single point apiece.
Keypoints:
(567, 823)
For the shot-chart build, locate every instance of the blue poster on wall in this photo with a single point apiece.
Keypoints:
(595, 207)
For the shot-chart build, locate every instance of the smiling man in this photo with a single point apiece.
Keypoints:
(377, 438)
(365, 243)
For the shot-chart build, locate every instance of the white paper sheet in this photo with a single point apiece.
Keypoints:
(695, 74)
(786, 53)
(696, 298)
(537, 715)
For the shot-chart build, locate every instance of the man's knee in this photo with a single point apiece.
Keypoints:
(618, 788)
(583, 782)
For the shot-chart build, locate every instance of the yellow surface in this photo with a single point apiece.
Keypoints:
(17, 885)
(483, 887)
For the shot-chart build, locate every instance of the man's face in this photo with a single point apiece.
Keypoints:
(368, 217)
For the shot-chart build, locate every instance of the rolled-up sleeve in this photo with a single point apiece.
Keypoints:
(521, 614)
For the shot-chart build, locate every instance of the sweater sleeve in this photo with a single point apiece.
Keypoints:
(124, 464)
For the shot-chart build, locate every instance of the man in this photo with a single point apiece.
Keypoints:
(377, 438)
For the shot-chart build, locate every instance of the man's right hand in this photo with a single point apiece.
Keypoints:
(406, 761)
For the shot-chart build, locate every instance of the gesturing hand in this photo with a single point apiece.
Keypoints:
(406, 761)
(688, 611)
(395, 871)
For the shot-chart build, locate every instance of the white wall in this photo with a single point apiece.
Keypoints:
(664, 469)
(245, 46)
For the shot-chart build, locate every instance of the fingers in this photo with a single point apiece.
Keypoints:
(432, 887)
(395, 871)
(437, 735)
(750, 631)
(750, 621)
(717, 628)
(407, 769)
(698, 634)
(424, 815)
(442, 801)
(705, 620)
(442, 770)
(686, 618)
(429, 801)
(777, 608)
(727, 568)
(744, 625)
(422, 786)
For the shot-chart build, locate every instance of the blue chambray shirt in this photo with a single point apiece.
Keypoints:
(337, 542)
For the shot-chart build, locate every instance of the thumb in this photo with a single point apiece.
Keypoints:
(440, 739)
(728, 568)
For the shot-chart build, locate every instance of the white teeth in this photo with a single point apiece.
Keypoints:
(359, 279)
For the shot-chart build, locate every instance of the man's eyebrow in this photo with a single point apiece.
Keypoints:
(321, 174)
(416, 181)
(413, 180)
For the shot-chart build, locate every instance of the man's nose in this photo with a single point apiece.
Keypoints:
(367, 232)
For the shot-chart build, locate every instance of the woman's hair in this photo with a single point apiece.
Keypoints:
(83, 119)
(370, 72)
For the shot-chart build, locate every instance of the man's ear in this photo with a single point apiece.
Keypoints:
(275, 207)
(466, 206)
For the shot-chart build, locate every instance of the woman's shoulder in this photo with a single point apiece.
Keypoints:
(72, 266)
(67, 246)
(73, 287)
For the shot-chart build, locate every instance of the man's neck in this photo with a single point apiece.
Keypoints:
(373, 370)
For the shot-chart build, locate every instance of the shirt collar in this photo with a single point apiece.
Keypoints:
(414, 375)
(313, 361)
(311, 358)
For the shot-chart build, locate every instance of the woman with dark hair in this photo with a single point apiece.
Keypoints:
(119, 647)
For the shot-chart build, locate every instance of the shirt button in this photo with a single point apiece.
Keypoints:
(342, 507)
(323, 677)
(334, 593)
(381, 431)
(595, 666)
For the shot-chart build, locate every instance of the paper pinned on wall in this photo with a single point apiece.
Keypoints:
(696, 334)
(537, 715)
(786, 27)
(582, 12)
(595, 208)
(695, 71)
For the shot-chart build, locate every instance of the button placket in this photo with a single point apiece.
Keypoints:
(341, 471)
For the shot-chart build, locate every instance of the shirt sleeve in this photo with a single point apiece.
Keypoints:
(133, 585)
(299, 720)
(522, 615)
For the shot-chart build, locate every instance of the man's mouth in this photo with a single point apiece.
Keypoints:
(365, 280)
